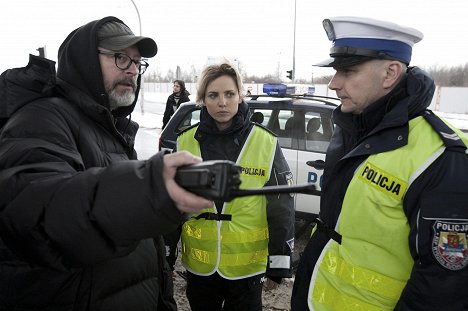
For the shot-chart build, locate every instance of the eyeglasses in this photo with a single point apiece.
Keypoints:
(123, 61)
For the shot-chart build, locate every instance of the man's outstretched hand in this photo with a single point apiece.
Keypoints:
(185, 201)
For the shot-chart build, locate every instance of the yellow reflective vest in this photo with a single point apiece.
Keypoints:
(237, 248)
(371, 266)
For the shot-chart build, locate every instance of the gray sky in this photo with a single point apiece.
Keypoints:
(258, 33)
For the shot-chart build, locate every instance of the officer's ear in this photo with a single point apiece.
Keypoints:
(394, 72)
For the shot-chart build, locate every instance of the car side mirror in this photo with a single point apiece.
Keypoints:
(317, 164)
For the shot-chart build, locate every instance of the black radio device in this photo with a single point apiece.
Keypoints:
(219, 180)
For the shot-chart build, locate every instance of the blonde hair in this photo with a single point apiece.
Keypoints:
(213, 72)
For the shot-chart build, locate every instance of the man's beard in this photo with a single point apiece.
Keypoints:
(116, 99)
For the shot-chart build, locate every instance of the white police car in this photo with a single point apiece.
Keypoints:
(304, 127)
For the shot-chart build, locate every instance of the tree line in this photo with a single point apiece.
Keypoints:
(456, 76)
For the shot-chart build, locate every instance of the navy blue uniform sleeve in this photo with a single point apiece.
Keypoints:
(437, 209)
(280, 214)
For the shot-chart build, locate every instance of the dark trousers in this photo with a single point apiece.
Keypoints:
(171, 240)
(214, 293)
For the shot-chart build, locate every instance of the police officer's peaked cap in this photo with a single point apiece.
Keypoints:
(359, 39)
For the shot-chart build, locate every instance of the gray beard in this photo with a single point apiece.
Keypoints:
(117, 100)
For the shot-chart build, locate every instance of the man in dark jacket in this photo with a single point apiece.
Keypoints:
(393, 219)
(81, 219)
(179, 95)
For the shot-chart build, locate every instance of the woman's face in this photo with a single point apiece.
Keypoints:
(222, 101)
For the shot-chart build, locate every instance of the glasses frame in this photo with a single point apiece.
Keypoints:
(141, 64)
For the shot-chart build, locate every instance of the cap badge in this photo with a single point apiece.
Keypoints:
(328, 26)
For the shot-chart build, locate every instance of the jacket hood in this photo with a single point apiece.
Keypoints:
(20, 86)
(78, 64)
(420, 88)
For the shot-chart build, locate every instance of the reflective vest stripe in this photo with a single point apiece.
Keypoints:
(231, 259)
(331, 299)
(227, 237)
(361, 277)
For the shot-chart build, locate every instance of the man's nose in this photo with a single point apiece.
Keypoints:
(335, 82)
(133, 69)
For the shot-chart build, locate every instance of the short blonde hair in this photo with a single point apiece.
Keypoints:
(213, 72)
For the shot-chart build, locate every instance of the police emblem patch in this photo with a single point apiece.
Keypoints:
(449, 245)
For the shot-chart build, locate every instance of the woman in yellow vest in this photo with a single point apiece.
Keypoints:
(228, 249)
(392, 232)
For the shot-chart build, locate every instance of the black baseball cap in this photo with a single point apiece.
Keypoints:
(118, 36)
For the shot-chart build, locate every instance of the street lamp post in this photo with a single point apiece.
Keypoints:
(142, 88)
(294, 45)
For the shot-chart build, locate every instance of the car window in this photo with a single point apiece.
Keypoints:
(281, 122)
(318, 132)
(189, 119)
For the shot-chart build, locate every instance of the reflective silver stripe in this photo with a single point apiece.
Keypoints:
(417, 232)
(279, 262)
(413, 177)
(425, 165)
(445, 219)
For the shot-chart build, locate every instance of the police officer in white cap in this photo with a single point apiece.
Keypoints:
(393, 224)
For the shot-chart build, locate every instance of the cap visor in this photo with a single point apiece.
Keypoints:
(146, 46)
(325, 63)
(343, 62)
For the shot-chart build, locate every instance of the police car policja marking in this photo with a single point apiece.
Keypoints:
(449, 244)
(383, 181)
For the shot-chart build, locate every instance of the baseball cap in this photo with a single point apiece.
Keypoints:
(359, 39)
(118, 36)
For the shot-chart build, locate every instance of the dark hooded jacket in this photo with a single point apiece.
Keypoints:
(172, 105)
(80, 217)
(382, 127)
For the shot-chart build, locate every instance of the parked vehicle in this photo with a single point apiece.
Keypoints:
(302, 123)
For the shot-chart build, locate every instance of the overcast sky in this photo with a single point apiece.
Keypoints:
(257, 33)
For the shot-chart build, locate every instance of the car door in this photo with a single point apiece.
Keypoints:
(311, 158)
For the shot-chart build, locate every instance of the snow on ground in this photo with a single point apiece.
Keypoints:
(147, 120)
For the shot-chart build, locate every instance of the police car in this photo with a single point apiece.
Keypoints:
(302, 123)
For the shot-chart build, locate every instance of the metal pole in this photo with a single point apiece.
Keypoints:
(142, 87)
(294, 45)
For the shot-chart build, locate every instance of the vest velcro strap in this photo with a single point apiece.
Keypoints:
(329, 231)
(214, 216)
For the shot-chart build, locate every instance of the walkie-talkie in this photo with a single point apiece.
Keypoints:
(219, 180)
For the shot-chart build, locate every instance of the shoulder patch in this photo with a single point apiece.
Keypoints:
(449, 244)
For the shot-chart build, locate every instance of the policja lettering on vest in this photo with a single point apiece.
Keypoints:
(378, 178)
(253, 171)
